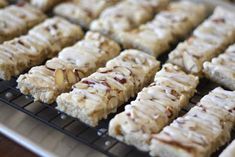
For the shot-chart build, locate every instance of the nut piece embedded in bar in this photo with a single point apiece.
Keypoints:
(155, 107)
(201, 131)
(60, 78)
(101, 93)
(69, 67)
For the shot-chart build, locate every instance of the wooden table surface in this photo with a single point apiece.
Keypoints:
(9, 148)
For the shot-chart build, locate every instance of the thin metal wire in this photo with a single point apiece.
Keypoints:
(98, 134)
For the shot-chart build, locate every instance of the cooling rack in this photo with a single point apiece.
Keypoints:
(95, 137)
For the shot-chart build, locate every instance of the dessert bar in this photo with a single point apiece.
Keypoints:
(16, 20)
(82, 12)
(73, 63)
(42, 42)
(201, 131)
(101, 93)
(155, 107)
(222, 68)
(207, 41)
(168, 27)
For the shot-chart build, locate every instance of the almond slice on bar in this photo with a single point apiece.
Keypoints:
(60, 79)
(71, 77)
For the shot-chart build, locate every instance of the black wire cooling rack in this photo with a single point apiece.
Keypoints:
(97, 137)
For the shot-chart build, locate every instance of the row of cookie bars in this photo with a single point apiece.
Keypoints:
(126, 15)
(100, 94)
(206, 42)
(58, 75)
(168, 27)
(201, 131)
(155, 107)
(42, 42)
(82, 12)
(16, 20)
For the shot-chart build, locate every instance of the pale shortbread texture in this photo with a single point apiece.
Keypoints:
(100, 94)
(201, 131)
(126, 15)
(222, 68)
(155, 107)
(82, 12)
(42, 42)
(17, 20)
(83, 58)
(169, 26)
(207, 41)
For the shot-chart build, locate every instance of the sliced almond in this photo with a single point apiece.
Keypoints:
(54, 64)
(71, 77)
(60, 78)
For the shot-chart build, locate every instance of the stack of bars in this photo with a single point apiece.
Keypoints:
(155, 107)
(42, 42)
(94, 97)
(44, 5)
(126, 15)
(58, 75)
(3, 3)
(222, 68)
(206, 42)
(82, 12)
(201, 131)
(169, 26)
(16, 20)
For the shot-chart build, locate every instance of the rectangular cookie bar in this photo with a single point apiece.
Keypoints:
(44, 5)
(155, 107)
(201, 131)
(126, 15)
(229, 151)
(16, 20)
(207, 41)
(42, 42)
(168, 26)
(82, 12)
(73, 63)
(222, 68)
(100, 94)
(3, 3)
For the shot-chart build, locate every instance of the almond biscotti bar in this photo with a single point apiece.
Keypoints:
(82, 12)
(201, 131)
(42, 42)
(16, 20)
(3, 3)
(155, 107)
(100, 94)
(207, 41)
(222, 68)
(229, 151)
(168, 27)
(126, 15)
(73, 63)
(45, 5)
